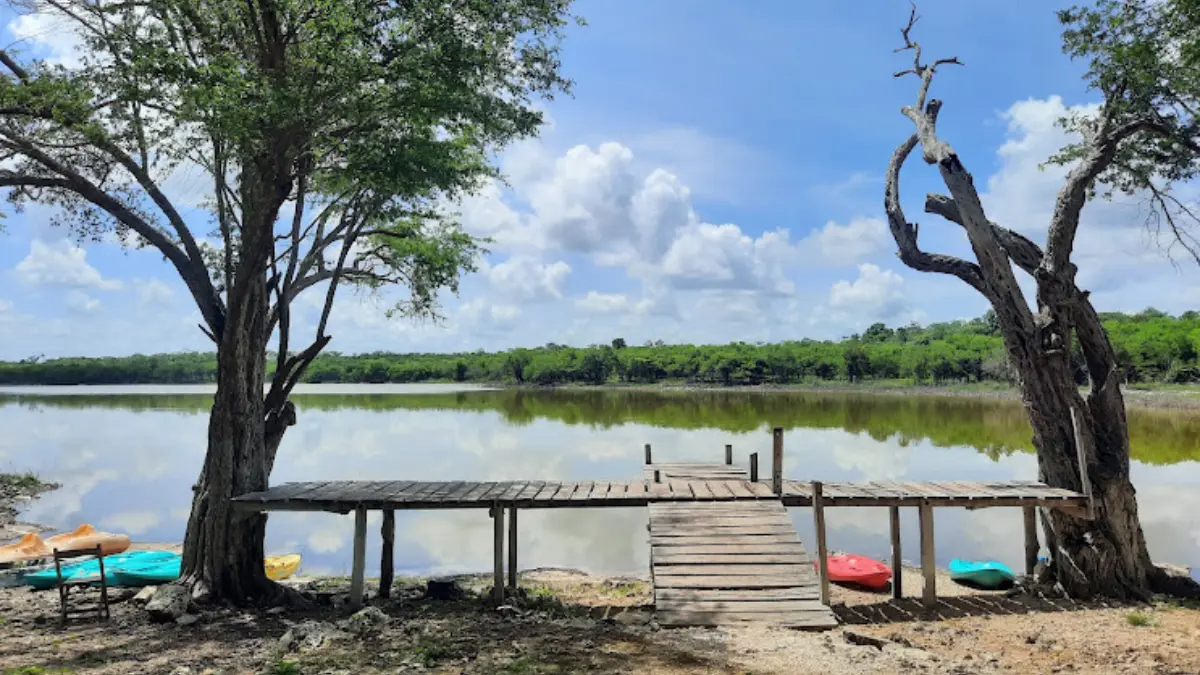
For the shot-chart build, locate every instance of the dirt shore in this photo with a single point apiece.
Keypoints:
(569, 622)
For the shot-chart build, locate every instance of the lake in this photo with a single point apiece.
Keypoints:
(127, 457)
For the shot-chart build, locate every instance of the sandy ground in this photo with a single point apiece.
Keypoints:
(570, 622)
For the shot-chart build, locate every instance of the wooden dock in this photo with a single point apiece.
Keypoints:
(723, 549)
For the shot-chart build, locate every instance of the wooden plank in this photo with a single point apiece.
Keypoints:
(359, 563)
(397, 489)
(728, 581)
(706, 531)
(547, 492)
(565, 491)
(278, 493)
(478, 491)
(583, 492)
(495, 491)
(514, 489)
(761, 490)
(754, 506)
(730, 559)
(530, 491)
(795, 572)
(457, 495)
(742, 595)
(758, 544)
(723, 520)
(928, 562)
(814, 620)
(897, 560)
(738, 489)
(702, 490)
(740, 606)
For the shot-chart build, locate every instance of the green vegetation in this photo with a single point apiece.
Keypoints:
(1152, 347)
(282, 667)
(1139, 619)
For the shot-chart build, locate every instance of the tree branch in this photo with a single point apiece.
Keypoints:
(1026, 254)
(905, 233)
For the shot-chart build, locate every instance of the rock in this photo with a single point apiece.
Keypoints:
(169, 603)
(181, 670)
(310, 635)
(119, 595)
(507, 610)
(864, 640)
(143, 596)
(366, 622)
(633, 617)
(275, 611)
(187, 620)
(442, 589)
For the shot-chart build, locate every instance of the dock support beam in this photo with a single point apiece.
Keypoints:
(360, 557)
(498, 557)
(819, 525)
(512, 547)
(897, 561)
(728, 455)
(387, 566)
(777, 461)
(1031, 539)
(754, 467)
(648, 454)
(928, 561)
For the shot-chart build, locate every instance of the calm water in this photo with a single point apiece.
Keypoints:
(127, 457)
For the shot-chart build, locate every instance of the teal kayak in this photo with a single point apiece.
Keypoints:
(990, 574)
(48, 577)
(148, 573)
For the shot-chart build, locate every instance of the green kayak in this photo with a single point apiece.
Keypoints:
(989, 574)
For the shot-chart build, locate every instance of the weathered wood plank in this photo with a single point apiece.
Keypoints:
(795, 572)
(729, 581)
(739, 595)
(662, 557)
(759, 544)
(814, 620)
(704, 530)
(740, 606)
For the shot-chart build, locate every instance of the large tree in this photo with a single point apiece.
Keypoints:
(333, 134)
(1142, 139)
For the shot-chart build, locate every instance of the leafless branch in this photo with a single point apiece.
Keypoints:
(1026, 254)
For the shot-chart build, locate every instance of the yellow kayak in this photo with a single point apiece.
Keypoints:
(282, 567)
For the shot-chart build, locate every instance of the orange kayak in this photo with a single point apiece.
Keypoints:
(30, 547)
(88, 537)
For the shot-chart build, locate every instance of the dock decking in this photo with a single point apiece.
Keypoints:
(714, 564)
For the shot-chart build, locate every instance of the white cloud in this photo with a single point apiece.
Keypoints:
(55, 34)
(505, 314)
(5, 306)
(526, 279)
(61, 264)
(153, 292)
(603, 303)
(721, 256)
(78, 301)
(876, 295)
(849, 244)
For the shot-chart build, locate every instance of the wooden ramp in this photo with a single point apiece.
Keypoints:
(734, 562)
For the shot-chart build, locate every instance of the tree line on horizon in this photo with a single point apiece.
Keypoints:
(1152, 346)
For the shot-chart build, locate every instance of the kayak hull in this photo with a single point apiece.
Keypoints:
(986, 574)
(30, 547)
(86, 537)
(858, 570)
(153, 573)
(282, 567)
(48, 577)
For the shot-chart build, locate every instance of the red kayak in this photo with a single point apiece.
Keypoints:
(855, 569)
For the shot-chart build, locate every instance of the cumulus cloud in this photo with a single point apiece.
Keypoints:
(876, 295)
(526, 279)
(61, 264)
(153, 292)
(78, 301)
(838, 245)
(603, 303)
(132, 522)
(55, 35)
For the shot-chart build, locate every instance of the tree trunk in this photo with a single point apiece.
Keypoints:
(223, 550)
(1106, 555)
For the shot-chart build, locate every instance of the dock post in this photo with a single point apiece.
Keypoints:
(512, 547)
(819, 524)
(777, 461)
(498, 557)
(928, 562)
(728, 455)
(1031, 539)
(387, 567)
(897, 562)
(648, 454)
(360, 557)
(657, 476)
(754, 467)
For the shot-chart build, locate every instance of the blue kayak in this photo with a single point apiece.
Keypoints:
(148, 573)
(990, 574)
(47, 578)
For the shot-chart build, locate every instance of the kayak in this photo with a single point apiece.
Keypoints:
(860, 570)
(152, 572)
(989, 574)
(87, 537)
(30, 547)
(282, 567)
(78, 571)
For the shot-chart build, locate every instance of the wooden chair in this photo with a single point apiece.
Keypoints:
(64, 585)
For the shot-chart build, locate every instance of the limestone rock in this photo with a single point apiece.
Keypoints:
(187, 619)
(366, 622)
(169, 603)
(143, 596)
(310, 635)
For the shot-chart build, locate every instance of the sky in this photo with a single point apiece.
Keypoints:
(716, 176)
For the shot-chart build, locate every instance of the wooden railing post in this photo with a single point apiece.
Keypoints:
(754, 467)
(777, 461)
(819, 525)
(728, 455)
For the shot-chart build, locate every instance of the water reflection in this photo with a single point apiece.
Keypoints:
(127, 457)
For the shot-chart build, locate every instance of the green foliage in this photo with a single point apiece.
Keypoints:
(1151, 347)
(1138, 619)
(283, 667)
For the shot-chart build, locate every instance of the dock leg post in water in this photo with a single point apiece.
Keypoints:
(777, 462)
(1031, 539)
(728, 455)
(512, 547)
(387, 556)
(360, 557)
(648, 454)
(897, 563)
(657, 476)
(498, 558)
(819, 526)
(928, 562)
(754, 467)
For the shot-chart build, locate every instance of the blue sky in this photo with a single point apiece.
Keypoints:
(716, 176)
